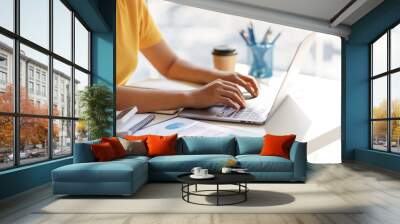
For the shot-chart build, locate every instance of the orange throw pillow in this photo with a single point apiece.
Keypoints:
(116, 145)
(103, 152)
(161, 145)
(277, 145)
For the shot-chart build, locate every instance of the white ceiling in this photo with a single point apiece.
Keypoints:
(315, 15)
(321, 9)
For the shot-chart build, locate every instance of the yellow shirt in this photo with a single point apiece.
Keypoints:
(136, 30)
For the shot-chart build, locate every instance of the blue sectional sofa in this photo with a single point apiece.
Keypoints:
(125, 176)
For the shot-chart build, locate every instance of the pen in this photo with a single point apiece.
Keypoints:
(244, 36)
(266, 34)
(276, 38)
(251, 33)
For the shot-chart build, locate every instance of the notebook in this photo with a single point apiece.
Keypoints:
(128, 122)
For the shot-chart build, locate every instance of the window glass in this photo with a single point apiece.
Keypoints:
(81, 131)
(30, 87)
(81, 45)
(62, 89)
(7, 14)
(395, 95)
(395, 136)
(39, 62)
(6, 142)
(34, 21)
(62, 29)
(34, 81)
(33, 140)
(379, 56)
(395, 47)
(81, 82)
(379, 135)
(379, 98)
(62, 138)
(6, 74)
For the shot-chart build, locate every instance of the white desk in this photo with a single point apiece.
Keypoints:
(311, 111)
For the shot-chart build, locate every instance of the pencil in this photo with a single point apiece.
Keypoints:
(244, 37)
(276, 38)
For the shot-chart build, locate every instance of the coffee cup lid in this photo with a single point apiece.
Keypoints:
(224, 50)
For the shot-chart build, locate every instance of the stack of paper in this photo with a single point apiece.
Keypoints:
(189, 127)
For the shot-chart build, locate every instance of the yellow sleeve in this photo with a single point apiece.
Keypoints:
(149, 33)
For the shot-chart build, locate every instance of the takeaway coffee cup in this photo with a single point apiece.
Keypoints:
(224, 58)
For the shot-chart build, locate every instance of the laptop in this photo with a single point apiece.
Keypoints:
(258, 110)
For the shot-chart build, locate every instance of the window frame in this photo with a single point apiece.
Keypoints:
(388, 74)
(3, 74)
(16, 115)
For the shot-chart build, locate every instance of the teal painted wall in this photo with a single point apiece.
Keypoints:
(357, 99)
(380, 159)
(103, 64)
(24, 178)
(91, 12)
(356, 83)
(99, 15)
(103, 55)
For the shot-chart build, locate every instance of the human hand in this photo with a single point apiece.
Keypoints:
(247, 82)
(218, 92)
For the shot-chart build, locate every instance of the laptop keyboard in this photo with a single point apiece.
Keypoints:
(247, 113)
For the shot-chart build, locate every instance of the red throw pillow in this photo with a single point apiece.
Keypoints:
(161, 145)
(116, 145)
(103, 152)
(277, 145)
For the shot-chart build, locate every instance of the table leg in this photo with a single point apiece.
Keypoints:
(195, 188)
(182, 188)
(188, 190)
(217, 194)
(245, 193)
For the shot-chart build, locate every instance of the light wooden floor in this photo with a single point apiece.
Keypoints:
(351, 181)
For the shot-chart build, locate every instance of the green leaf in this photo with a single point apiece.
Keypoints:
(96, 102)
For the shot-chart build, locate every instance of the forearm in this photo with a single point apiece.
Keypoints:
(186, 71)
(149, 100)
(171, 66)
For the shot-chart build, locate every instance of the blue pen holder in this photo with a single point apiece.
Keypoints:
(260, 57)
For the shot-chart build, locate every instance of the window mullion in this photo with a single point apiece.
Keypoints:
(73, 82)
(389, 101)
(50, 81)
(371, 137)
(16, 70)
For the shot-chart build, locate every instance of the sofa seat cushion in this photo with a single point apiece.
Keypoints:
(185, 163)
(113, 171)
(133, 157)
(257, 163)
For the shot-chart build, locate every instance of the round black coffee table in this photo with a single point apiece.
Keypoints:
(238, 179)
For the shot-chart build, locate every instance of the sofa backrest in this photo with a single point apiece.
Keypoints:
(195, 145)
(249, 145)
(83, 152)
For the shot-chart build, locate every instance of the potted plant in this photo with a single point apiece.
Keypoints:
(96, 103)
